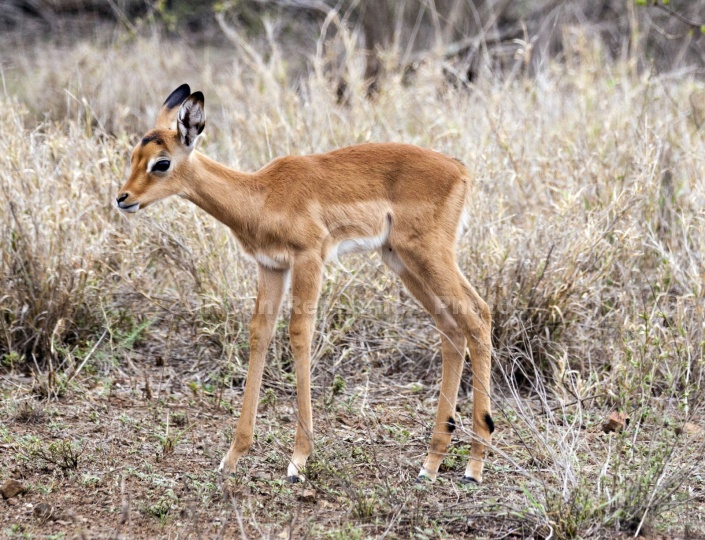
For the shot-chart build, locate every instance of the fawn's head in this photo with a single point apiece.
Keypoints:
(160, 160)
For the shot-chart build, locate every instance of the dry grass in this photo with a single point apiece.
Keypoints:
(587, 240)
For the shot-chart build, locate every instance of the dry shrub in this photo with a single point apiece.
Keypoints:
(54, 238)
(589, 194)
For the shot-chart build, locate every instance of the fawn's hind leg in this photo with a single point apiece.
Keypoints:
(453, 351)
(305, 288)
(440, 274)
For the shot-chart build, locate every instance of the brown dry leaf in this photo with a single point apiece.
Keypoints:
(616, 422)
(689, 428)
(308, 495)
(349, 420)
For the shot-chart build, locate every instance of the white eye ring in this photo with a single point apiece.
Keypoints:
(156, 161)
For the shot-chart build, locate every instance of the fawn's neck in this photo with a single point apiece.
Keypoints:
(232, 197)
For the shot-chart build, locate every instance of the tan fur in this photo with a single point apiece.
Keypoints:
(296, 213)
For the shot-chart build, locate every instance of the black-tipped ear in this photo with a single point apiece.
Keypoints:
(191, 119)
(167, 114)
(178, 96)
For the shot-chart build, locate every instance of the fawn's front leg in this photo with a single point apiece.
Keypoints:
(271, 285)
(306, 287)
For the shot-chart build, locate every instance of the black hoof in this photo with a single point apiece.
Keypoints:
(466, 480)
(226, 475)
(422, 479)
(293, 479)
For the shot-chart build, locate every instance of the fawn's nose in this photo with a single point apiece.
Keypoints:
(122, 197)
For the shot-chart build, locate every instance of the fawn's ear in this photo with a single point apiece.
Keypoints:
(167, 114)
(191, 119)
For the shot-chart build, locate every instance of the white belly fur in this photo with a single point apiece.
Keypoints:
(360, 245)
(269, 262)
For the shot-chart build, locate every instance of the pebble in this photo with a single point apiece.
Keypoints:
(43, 511)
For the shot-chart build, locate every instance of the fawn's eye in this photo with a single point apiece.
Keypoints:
(161, 166)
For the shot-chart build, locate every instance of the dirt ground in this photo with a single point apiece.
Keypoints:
(147, 446)
(134, 455)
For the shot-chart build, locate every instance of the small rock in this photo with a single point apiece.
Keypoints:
(43, 511)
(69, 516)
(262, 476)
(47, 512)
(12, 488)
(615, 422)
(308, 495)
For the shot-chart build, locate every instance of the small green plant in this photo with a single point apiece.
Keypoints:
(65, 454)
(360, 454)
(269, 399)
(201, 390)
(169, 439)
(10, 360)
(127, 420)
(15, 530)
(399, 433)
(44, 489)
(337, 387)
(456, 459)
(164, 505)
(348, 532)
(89, 479)
(365, 505)
(204, 490)
(134, 334)
(179, 419)
(30, 412)
(50, 384)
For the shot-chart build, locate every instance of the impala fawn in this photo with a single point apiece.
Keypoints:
(297, 213)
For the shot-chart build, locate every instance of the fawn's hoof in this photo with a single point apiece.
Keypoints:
(465, 480)
(227, 467)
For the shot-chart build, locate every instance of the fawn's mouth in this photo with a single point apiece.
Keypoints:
(129, 208)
